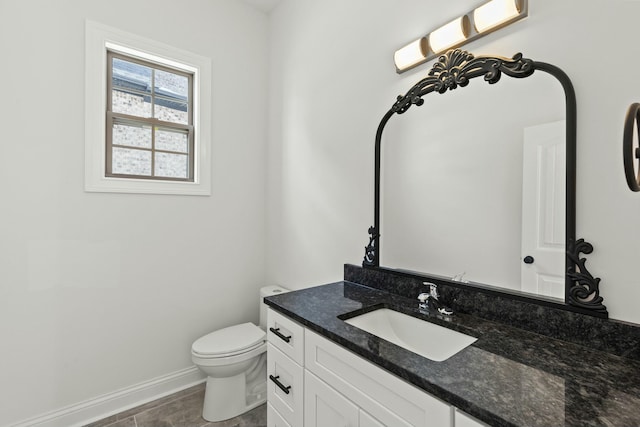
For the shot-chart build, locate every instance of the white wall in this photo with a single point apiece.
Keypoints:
(92, 300)
(102, 291)
(332, 79)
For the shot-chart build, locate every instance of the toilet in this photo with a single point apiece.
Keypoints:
(235, 361)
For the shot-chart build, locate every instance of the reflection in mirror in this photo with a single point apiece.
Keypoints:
(473, 186)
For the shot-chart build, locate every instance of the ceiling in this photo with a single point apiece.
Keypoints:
(263, 5)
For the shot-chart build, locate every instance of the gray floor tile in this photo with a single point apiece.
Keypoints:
(126, 422)
(254, 418)
(103, 422)
(183, 409)
(107, 422)
(183, 412)
(228, 423)
(163, 400)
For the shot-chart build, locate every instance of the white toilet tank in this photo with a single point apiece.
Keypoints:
(265, 292)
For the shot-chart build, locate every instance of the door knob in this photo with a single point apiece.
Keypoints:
(528, 259)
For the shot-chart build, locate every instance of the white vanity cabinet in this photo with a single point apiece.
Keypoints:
(285, 373)
(333, 387)
(324, 406)
(464, 420)
(380, 397)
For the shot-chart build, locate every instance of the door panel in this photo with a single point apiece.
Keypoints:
(543, 209)
(325, 407)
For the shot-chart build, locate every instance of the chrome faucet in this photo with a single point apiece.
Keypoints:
(423, 298)
(429, 302)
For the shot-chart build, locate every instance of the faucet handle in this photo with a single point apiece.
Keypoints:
(433, 289)
(423, 298)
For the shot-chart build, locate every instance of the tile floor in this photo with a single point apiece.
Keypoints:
(182, 409)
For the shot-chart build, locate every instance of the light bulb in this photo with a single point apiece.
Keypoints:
(494, 13)
(451, 34)
(412, 54)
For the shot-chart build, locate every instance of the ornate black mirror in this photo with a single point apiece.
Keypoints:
(541, 165)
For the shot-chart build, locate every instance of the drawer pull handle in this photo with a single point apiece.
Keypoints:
(282, 337)
(279, 384)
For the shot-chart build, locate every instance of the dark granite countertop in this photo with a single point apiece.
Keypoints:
(508, 377)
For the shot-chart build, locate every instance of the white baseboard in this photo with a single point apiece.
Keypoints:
(115, 402)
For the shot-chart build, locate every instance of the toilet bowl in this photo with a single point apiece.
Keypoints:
(235, 362)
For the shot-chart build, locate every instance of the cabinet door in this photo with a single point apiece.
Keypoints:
(464, 420)
(366, 420)
(388, 399)
(325, 407)
(274, 419)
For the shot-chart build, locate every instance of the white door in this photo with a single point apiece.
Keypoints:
(325, 407)
(543, 209)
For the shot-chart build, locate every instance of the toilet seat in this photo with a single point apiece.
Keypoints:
(231, 341)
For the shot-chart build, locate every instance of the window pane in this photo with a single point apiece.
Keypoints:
(171, 140)
(131, 162)
(170, 110)
(172, 165)
(171, 85)
(133, 136)
(129, 75)
(147, 99)
(129, 103)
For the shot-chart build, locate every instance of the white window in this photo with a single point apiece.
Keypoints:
(145, 104)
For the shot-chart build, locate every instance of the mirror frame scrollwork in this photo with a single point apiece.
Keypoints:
(455, 69)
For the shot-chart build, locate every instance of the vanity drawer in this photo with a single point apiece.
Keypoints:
(286, 335)
(285, 381)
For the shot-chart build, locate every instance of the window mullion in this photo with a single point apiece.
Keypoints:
(150, 121)
(133, 147)
(153, 151)
(171, 152)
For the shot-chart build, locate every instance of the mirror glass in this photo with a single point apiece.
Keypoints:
(473, 185)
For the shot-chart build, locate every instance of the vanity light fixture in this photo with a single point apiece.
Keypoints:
(495, 13)
(474, 24)
(449, 35)
(412, 54)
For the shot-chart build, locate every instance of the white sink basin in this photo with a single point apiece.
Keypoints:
(419, 336)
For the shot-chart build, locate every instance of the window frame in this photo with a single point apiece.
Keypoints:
(99, 39)
(113, 117)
